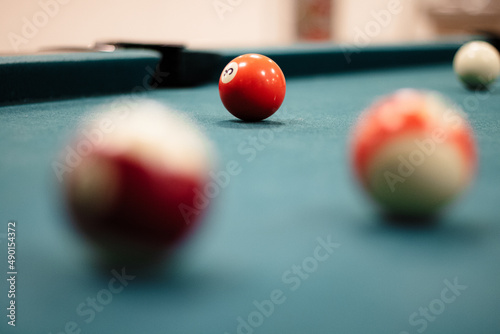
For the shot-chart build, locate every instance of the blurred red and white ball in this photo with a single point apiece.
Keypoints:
(134, 193)
(413, 152)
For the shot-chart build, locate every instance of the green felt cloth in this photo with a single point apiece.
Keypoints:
(296, 189)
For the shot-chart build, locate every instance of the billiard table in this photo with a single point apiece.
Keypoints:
(291, 243)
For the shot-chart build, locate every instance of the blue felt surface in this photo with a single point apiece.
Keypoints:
(297, 189)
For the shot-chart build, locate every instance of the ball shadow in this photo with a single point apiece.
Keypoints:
(161, 267)
(439, 230)
(239, 124)
(406, 222)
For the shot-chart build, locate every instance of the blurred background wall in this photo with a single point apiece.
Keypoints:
(27, 25)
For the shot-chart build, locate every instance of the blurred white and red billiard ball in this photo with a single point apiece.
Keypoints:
(252, 87)
(413, 152)
(477, 65)
(134, 194)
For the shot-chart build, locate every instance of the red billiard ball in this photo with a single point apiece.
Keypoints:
(138, 188)
(413, 152)
(252, 87)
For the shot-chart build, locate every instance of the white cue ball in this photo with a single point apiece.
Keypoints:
(477, 64)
